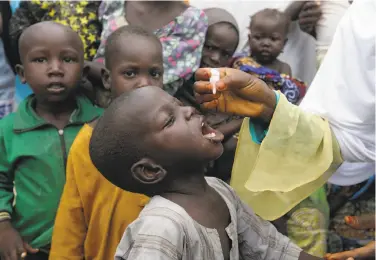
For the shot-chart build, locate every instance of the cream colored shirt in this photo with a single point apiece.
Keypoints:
(164, 230)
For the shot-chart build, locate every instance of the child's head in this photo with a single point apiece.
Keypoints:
(221, 39)
(134, 59)
(52, 58)
(143, 143)
(268, 34)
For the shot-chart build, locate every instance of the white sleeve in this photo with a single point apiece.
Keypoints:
(151, 237)
(343, 90)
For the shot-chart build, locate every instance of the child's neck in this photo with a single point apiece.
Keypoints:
(273, 65)
(266, 64)
(193, 185)
(55, 113)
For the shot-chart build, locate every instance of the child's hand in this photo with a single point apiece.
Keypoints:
(11, 245)
(237, 93)
(365, 222)
(366, 252)
(309, 15)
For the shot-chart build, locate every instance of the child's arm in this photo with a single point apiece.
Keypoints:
(151, 238)
(70, 227)
(11, 244)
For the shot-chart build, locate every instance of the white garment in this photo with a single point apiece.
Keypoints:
(300, 49)
(352, 173)
(332, 12)
(343, 90)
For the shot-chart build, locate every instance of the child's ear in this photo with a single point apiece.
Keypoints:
(285, 42)
(106, 79)
(20, 72)
(145, 171)
(85, 71)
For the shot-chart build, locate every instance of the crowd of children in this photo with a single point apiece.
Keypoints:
(132, 181)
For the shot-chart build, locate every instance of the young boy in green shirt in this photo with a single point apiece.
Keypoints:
(35, 140)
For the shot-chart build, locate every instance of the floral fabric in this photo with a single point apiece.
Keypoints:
(292, 88)
(81, 16)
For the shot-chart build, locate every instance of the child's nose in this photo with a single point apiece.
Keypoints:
(265, 42)
(215, 57)
(55, 68)
(144, 81)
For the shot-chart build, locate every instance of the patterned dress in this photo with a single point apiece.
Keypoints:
(182, 40)
(292, 88)
(81, 16)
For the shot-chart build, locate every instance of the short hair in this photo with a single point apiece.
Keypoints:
(34, 31)
(116, 143)
(125, 31)
(274, 14)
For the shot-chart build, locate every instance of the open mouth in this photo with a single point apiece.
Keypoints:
(211, 134)
(56, 87)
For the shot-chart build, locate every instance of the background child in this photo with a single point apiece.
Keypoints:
(93, 213)
(197, 217)
(48, 121)
(267, 37)
(221, 39)
(220, 44)
(81, 16)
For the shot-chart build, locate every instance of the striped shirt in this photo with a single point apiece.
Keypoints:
(164, 230)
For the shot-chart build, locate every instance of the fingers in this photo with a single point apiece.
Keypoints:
(212, 105)
(30, 249)
(341, 256)
(312, 5)
(361, 222)
(310, 14)
(308, 21)
(206, 98)
(204, 74)
(359, 253)
(204, 87)
(14, 254)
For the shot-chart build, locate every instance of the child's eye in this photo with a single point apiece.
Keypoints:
(156, 74)
(69, 60)
(169, 122)
(208, 47)
(226, 55)
(40, 60)
(129, 74)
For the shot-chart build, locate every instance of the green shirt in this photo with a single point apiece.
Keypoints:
(33, 155)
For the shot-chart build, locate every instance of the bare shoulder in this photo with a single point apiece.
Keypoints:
(284, 68)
